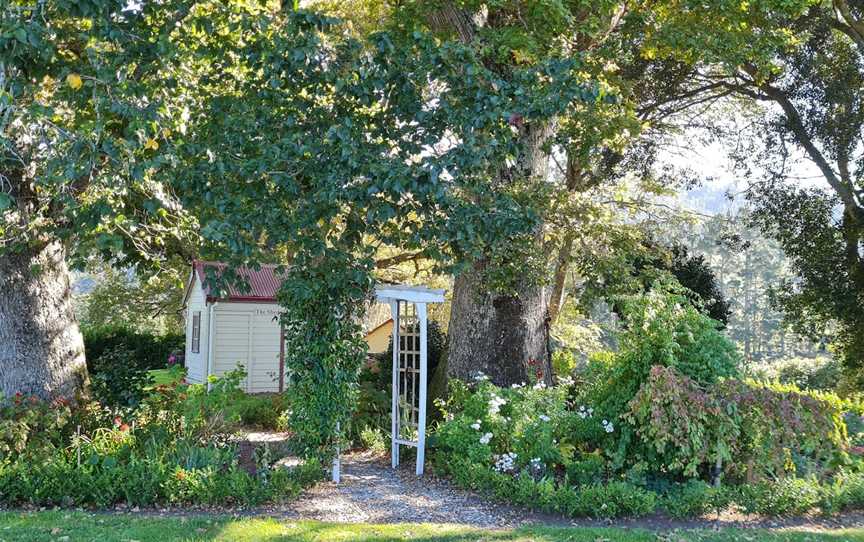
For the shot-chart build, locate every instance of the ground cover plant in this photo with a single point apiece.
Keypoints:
(666, 423)
(177, 446)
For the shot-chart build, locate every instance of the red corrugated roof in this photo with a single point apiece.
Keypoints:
(263, 283)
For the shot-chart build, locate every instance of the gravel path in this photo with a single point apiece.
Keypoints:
(372, 492)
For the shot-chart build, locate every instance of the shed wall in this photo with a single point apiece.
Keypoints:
(196, 363)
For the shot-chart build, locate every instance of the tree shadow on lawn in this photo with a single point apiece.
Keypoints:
(56, 526)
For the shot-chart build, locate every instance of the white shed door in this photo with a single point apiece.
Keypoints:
(264, 370)
(232, 341)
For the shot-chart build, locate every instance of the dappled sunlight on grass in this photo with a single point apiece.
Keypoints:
(54, 526)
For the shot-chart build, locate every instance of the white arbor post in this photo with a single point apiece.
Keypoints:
(394, 385)
(424, 373)
(410, 370)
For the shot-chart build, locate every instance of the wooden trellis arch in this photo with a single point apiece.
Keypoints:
(409, 370)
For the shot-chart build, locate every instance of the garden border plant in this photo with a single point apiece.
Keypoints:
(174, 448)
(683, 445)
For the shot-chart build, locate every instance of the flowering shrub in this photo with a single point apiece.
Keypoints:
(518, 444)
(542, 447)
(524, 423)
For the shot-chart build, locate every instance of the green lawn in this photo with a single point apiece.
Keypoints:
(162, 376)
(79, 526)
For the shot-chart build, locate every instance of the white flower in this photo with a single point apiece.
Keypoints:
(544, 417)
(607, 426)
(505, 462)
(495, 404)
(486, 438)
(133, 6)
(540, 385)
(476, 425)
(605, 422)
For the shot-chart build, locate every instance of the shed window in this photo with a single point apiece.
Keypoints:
(196, 332)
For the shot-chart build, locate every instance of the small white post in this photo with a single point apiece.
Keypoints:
(337, 462)
(394, 406)
(421, 422)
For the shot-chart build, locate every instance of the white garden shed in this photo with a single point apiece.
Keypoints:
(237, 328)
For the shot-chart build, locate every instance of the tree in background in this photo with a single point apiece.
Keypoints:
(82, 134)
(147, 302)
(814, 107)
(690, 270)
(748, 266)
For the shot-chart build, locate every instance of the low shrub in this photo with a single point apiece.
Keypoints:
(611, 500)
(695, 498)
(784, 497)
(262, 411)
(141, 481)
(587, 469)
(118, 361)
(844, 492)
(174, 447)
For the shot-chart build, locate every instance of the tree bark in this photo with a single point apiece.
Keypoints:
(41, 347)
(506, 337)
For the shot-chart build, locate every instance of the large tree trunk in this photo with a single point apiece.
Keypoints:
(506, 337)
(41, 348)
